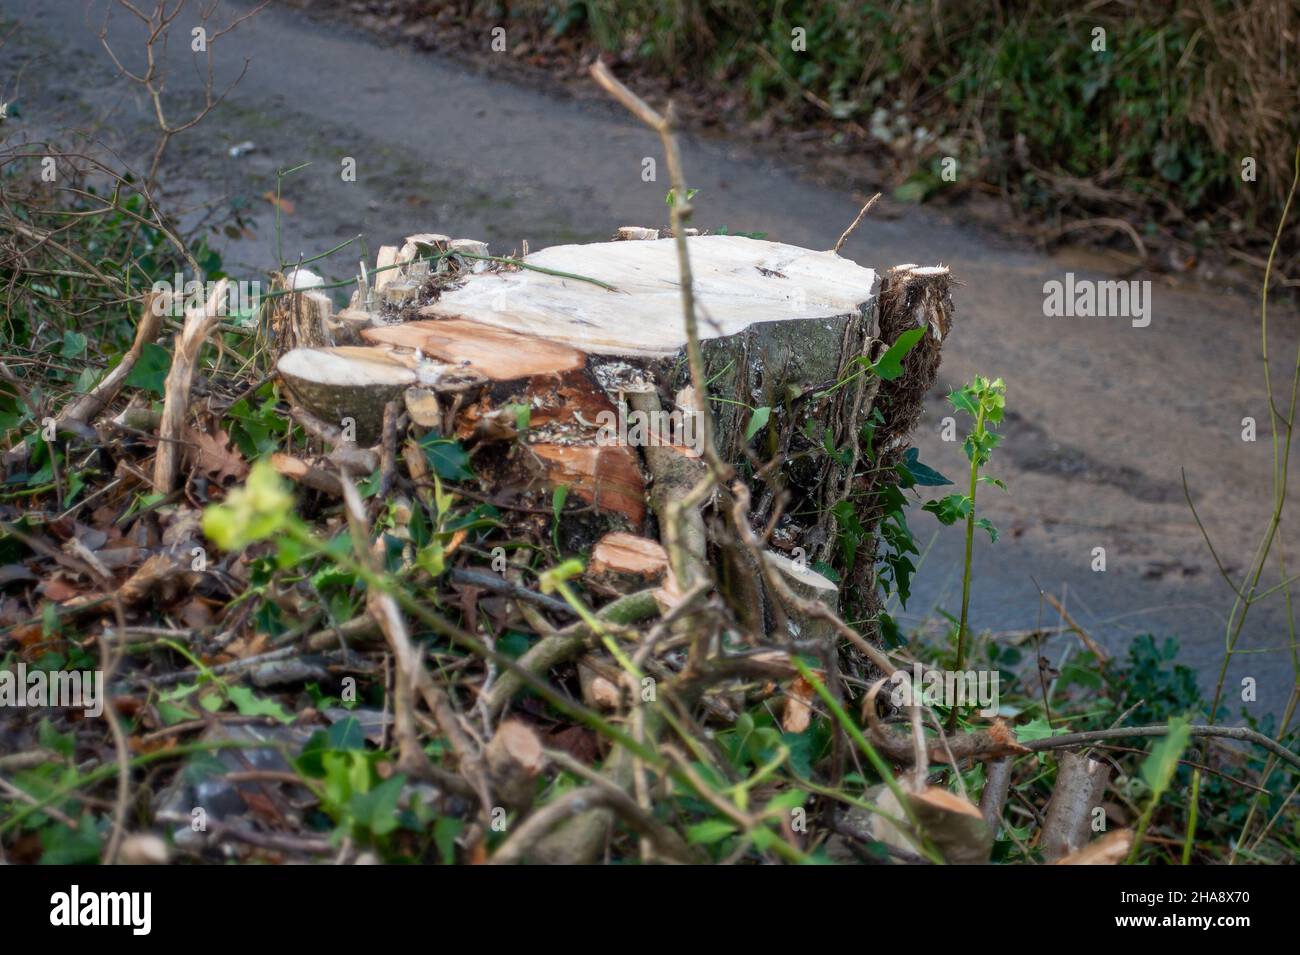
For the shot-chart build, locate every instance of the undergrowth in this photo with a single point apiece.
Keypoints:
(1151, 122)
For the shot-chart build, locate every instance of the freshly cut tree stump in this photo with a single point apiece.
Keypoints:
(571, 371)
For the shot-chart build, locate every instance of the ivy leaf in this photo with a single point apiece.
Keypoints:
(377, 809)
(801, 754)
(922, 474)
(150, 370)
(890, 632)
(74, 344)
(890, 364)
(346, 734)
(757, 421)
(445, 832)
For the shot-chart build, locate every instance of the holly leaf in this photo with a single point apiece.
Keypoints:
(249, 704)
(1034, 729)
(447, 458)
(951, 509)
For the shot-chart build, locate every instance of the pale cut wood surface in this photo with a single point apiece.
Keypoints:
(738, 282)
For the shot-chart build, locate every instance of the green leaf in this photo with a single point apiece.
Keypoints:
(757, 422)
(171, 714)
(1034, 729)
(963, 402)
(801, 752)
(790, 799)
(86, 381)
(430, 557)
(558, 497)
(951, 509)
(912, 191)
(346, 734)
(150, 371)
(249, 704)
(708, 832)
(1158, 769)
(445, 832)
(447, 458)
(74, 344)
(890, 364)
(922, 475)
(513, 644)
(63, 845)
(890, 632)
(985, 524)
(254, 512)
(523, 416)
(51, 739)
(377, 809)
(980, 444)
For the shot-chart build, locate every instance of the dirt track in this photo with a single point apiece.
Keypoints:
(1104, 415)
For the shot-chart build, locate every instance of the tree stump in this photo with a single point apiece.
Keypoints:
(553, 379)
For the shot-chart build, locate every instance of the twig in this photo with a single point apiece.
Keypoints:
(849, 231)
(1242, 733)
(568, 643)
(1102, 656)
(489, 581)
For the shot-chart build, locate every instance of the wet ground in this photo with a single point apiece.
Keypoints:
(1104, 416)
